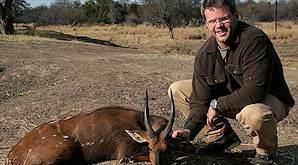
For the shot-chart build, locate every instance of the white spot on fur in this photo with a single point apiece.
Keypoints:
(56, 145)
(90, 143)
(54, 135)
(65, 136)
(52, 122)
(58, 127)
(68, 117)
(82, 145)
(43, 137)
(27, 155)
(101, 141)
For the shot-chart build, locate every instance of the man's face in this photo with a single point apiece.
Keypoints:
(219, 21)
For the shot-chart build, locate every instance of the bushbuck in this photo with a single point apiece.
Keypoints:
(108, 133)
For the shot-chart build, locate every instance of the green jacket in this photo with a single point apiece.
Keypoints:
(252, 71)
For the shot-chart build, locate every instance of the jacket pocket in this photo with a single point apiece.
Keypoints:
(236, 72)
(216, 79)
(218, 84)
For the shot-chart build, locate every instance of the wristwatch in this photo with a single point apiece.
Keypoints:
(214, 105)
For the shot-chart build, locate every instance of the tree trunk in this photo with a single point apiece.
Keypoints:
(2, 27)
(1, 20)
(171, 30)
(170, 24)
(7, 19)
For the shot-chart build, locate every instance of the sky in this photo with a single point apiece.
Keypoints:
(34, 3)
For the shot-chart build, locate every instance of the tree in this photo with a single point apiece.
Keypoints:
(172, 13)
(97, 11)
(293, 12)
(39, 14)
(76, 4)
(248, 10)
(134, 15)
(264, 11)
(195, 12)
(6, 16)
(18, 7)
(66, 12)
(9, 9)
(118, 12)
(162, 12)
(90, 11)
(103, 10)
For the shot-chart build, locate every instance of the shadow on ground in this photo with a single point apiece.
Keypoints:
(66, 37)
(2, 69)
(285, 156)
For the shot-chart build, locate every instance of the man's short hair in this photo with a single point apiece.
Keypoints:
(217, 3)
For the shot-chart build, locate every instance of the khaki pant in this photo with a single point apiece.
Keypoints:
(259, 120)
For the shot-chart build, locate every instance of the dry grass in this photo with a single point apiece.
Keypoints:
(157, 39)
(285, 41)
(148, 38)
(285, 30)
(187, 39)
(21, 38)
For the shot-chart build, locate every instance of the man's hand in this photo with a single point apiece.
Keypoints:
(211, 115)
(181, 133)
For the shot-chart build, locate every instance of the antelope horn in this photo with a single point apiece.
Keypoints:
(146, 118)
(170, 124)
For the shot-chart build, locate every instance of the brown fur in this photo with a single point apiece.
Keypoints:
(83, 139)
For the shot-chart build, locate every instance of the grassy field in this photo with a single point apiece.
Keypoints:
(156, 39)
(152, 39)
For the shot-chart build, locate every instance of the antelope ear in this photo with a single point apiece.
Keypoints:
(139, 136)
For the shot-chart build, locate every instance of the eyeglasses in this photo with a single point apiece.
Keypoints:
(221, 20)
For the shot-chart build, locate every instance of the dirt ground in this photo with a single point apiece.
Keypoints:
(42, 81)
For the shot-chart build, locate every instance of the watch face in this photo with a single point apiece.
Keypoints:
(213, 104)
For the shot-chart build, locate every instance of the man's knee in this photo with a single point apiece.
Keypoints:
(180, 87)
(175, 87)
(181, 91)
(255, 115)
